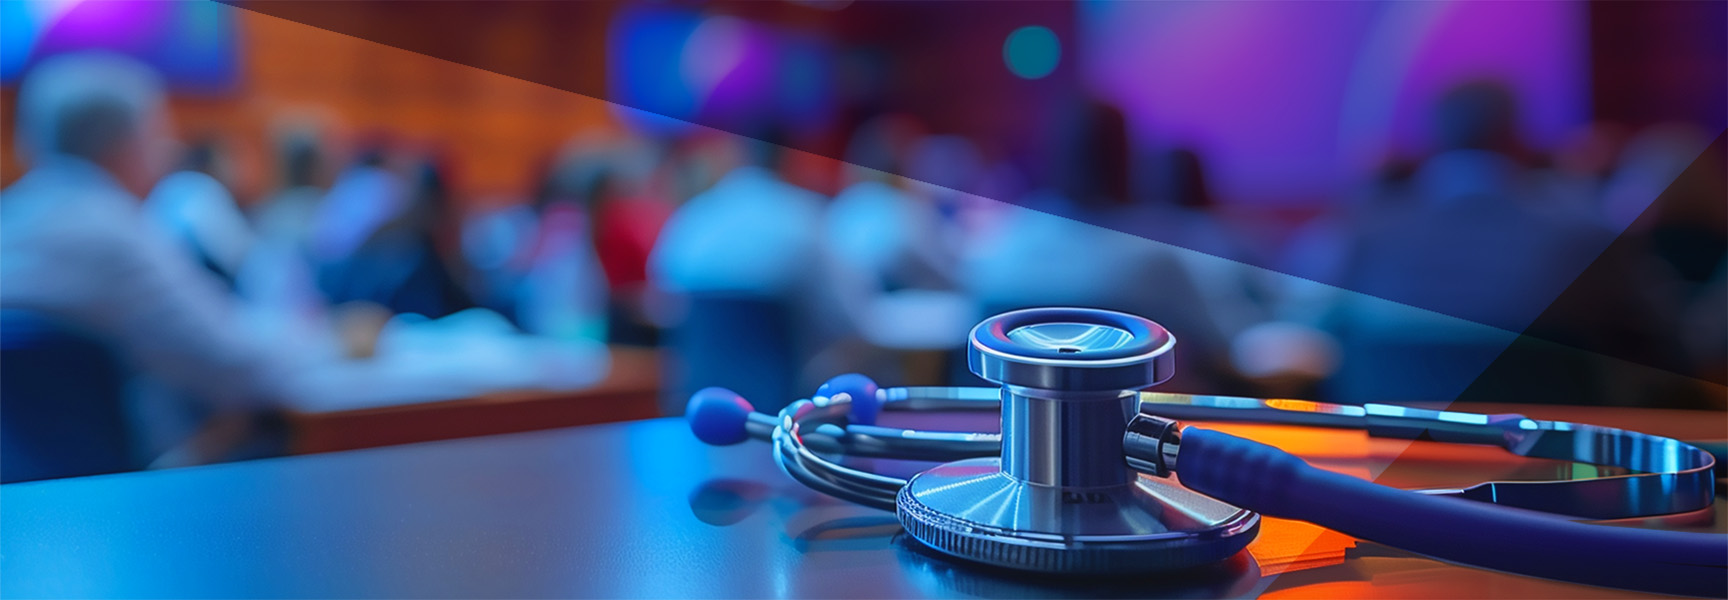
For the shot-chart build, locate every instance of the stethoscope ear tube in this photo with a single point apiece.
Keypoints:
(1265, 479)
(802, 464)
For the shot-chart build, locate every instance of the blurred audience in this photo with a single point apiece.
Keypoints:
(1470, 244)
(629, 204)
(743, 266)
(199, 212)
(1405, 287)
(411, 262)
(878, 229)
(77, 249)
(950, 176)
(362, 199)
(278, 279)
(287, 213)
(563, 290)
(1480, 238)
(894, 263)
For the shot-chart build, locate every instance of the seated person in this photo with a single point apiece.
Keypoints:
(743, 262)
(893, 255)
(1474, 244)
(585, 265)
(875, 225)
(563, 289)
(199, 212)
(408, 265)
(75, 245)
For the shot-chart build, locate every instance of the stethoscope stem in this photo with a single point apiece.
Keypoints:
(1151, 444)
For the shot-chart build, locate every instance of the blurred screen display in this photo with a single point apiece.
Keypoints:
(723, 70)
(192, 44)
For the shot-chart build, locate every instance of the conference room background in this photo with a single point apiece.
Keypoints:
(1515, 202)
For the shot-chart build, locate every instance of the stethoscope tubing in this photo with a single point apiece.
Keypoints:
(803, 465)
(1276, 483)
(1663, 476)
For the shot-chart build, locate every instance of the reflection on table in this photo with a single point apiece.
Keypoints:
(644, 509)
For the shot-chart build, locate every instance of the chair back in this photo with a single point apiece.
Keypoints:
(61, 407)
(740, 342)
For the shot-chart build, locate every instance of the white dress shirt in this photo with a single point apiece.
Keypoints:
(751, 233)
(74, 244)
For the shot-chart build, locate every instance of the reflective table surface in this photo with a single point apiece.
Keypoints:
(640, 509)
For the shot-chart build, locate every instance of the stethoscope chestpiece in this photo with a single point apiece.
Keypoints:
(1061, 498)
(1075, 482)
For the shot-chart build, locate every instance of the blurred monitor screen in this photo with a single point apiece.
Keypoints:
(191, 43)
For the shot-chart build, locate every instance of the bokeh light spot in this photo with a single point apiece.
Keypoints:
(1032, 52)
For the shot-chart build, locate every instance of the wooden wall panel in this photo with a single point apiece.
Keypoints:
(495, 130)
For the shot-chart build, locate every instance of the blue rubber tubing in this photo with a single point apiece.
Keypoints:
(1259, 477)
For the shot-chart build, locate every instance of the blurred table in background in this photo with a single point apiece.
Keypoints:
(627, 393)
(643, 509)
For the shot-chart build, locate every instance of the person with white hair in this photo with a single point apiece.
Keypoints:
(76, 246)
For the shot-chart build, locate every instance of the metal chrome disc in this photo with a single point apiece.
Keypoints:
(972, 510)
(1071, 349)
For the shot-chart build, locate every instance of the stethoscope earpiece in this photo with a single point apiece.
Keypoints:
(721, 417)
(861, 390)
(718, 416)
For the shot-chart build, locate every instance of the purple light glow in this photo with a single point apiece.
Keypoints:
(741, 84)
(1288, 102)
(135, 27)
(1538, 48)
(192, 44)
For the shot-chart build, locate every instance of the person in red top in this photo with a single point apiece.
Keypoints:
(615, 189)
(625, 229)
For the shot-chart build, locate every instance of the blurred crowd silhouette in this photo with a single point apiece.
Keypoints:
(1404, 289)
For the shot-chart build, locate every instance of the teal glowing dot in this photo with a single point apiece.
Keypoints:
(1032, 51)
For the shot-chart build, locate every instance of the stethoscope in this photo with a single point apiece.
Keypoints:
(1079, 480)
